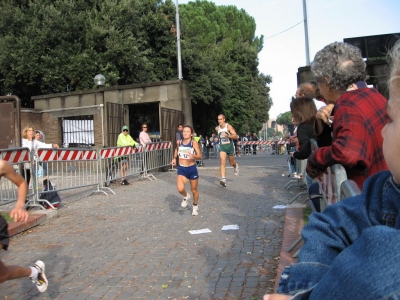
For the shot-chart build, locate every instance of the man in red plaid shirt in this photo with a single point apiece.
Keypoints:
(359, 115)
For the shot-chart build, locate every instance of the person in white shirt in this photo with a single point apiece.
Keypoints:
(29, 141)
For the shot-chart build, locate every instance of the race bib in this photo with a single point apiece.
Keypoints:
(225, 140)
(183, 152)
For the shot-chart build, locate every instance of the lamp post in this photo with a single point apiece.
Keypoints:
(306, 32)
(99, 80)
(178, 41)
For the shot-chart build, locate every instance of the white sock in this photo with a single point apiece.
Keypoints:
(34, 272)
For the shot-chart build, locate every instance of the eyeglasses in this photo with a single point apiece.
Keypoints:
(125, 130)
(144, 127)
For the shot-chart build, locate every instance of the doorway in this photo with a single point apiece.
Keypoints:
(144, 113)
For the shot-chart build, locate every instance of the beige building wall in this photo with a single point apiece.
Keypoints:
(50, 109)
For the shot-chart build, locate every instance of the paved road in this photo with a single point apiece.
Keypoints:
(136, 245)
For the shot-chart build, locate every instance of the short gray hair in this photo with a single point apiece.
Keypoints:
(339, 65)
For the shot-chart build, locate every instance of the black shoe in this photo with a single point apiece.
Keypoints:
(125, 182)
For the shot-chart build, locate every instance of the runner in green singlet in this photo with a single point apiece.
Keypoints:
(226, 133)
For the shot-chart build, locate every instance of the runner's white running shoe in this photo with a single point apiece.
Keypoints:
(195, 211)
(236, 169)
(223, 182)
(41, 280)
(185, 200)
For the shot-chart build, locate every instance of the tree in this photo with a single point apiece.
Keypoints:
(56, 46)
(286, 119)
(52, 46)
(220, 62)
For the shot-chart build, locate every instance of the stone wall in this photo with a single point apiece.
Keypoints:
(50, 109)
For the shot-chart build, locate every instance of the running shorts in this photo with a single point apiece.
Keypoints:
(4, 238)
(228, 149)
(189, 172)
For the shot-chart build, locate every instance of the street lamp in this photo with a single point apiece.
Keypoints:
(99, 80)
(178, 41)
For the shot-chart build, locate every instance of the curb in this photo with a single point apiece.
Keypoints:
(37, 217)
(292, 227)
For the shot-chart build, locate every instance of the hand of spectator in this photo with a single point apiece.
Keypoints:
(276, 297)
(55, 146)
(314, 172)
(324, 114)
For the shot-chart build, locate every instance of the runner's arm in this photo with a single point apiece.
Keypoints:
(232, 133)
(19, 213)
(198, 154)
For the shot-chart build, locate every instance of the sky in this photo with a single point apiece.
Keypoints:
(328, 21)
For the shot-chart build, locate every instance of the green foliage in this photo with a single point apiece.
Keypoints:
(270, 132)
(6, 216)
(220, 62)
(57, 46)
(286, 119)
(52, 46)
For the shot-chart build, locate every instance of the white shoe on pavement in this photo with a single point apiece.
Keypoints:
(185, 200)
(41, 280)
(195, 211)
(223, 182)
(236, 169)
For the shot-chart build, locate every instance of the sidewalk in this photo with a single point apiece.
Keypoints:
(136, 244)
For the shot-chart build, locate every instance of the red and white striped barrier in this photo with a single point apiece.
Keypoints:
(15, 156)
(158, 146)
(263, 143)
(50, 155)
(116, 151)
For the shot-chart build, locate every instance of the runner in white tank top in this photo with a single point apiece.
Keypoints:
(225, 135)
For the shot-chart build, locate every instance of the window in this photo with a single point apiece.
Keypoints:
(78, 131)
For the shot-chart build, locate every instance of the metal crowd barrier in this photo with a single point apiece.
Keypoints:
(301, 182)
(21, 161)
(156, 155)
(68, 169)
(112, 159)
(349, 188)
(77, 168)
(265, 146)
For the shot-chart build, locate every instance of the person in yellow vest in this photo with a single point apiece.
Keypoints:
(124, 139)
(196, 138)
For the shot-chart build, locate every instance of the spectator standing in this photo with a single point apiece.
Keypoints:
(144, 136)
(124, 139)
(208, 145)
(178, 138)
(310, 90)
(178, 134)
(144, 140)
(254, 138)
(29, 141)
(360, 114)
(248, 147)
(275, 141)
(303, 112)
(39, 136)
(215, 145)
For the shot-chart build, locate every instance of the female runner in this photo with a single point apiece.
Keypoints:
(188, 151)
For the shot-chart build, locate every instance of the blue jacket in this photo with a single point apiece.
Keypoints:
(336, 232)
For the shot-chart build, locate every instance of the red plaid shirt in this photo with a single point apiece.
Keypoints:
(357, 141)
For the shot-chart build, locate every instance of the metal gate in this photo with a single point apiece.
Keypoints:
(169, 121)
(115, 121)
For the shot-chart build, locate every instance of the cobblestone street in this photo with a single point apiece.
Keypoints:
(136, 244)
